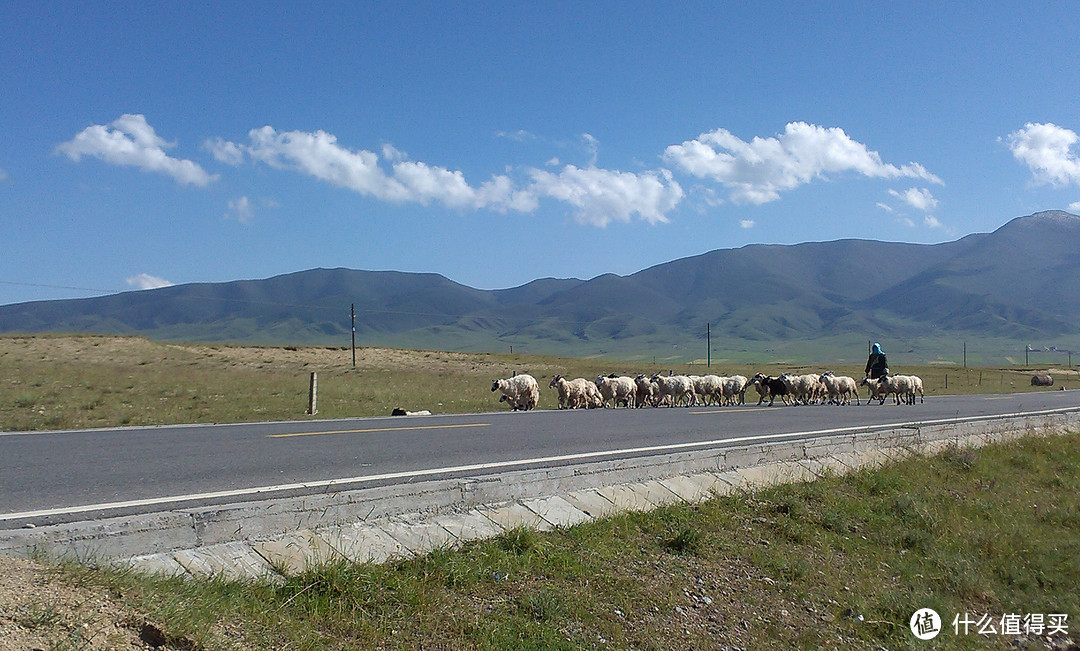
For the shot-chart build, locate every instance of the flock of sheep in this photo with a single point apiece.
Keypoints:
(522, 392)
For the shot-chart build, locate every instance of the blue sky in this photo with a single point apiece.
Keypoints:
(149, 143)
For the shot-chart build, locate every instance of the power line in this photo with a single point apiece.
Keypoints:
(44, 286)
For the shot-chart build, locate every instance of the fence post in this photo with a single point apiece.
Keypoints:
(313, 394)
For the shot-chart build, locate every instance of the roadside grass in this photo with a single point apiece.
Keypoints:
(841, 562)
(69, 382)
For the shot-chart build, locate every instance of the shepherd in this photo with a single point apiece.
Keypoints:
(876, 365)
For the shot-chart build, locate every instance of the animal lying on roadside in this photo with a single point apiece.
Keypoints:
(521, 392)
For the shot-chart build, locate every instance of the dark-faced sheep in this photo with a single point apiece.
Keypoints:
(521, 392)
(770, 387)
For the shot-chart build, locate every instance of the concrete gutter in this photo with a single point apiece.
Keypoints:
(277, 537)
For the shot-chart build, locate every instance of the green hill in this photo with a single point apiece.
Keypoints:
(1017, 285)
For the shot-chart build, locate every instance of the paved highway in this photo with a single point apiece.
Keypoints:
(48, 477)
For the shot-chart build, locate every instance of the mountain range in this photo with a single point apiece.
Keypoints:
(1018, 283)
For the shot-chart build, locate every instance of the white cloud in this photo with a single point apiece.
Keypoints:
(592, 147)
(602, 196)
(130, 141)
(520, 135)
(1075, 206)
(224, 151)
(747, 223)
(932, 222)
(146, 281)
(758, 171)
(1047, 150)
(318, 154)
(598, 196)
(884, 206)
(241, 210)
(920, 199)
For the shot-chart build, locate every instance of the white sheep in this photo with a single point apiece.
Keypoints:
(735, 390)
(874, 390)
(521, 392)
(707, 387)
(675, 388)
(803, 388)
(840, 388)
(899, 386)
(616, 389)
(573, 394)
(916, 387)
(648, 392)
(593, 397)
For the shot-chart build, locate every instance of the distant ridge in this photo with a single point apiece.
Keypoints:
(1021, 282)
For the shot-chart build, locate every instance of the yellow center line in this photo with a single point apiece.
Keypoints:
(739, 410)
(376, 429)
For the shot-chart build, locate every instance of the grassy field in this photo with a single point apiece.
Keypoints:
(841, 563)
(63, 382)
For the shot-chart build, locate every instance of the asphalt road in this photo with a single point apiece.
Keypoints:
(68, 475)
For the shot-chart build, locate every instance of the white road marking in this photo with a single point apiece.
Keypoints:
(327, 483)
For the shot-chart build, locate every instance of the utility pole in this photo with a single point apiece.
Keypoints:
(965, 354)
(352, 315)
(708, 343)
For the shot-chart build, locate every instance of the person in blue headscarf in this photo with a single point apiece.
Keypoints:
(877, 365)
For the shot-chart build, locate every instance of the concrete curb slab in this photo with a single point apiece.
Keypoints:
(467, 526)
(365, 543)
(418, 537)
(293, 553)
(556, 511)
(515, 515)
(592, 503)
(160, 564)
(234, 561)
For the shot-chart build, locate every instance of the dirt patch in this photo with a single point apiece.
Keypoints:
(40, 610)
